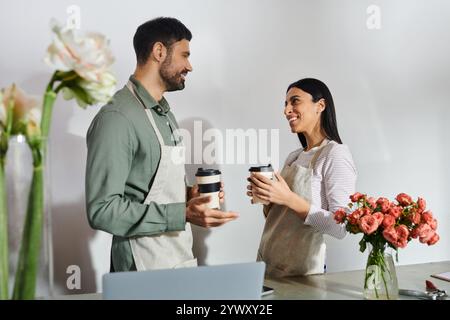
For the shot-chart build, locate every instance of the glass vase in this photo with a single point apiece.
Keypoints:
(380, 279)
(19, 171)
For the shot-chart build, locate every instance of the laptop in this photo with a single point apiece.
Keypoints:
(242, 281)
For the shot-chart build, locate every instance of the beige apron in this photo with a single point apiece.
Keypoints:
(288, 246)
(168, 249)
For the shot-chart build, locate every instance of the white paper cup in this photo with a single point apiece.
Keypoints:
(266, 171)
(208, 181)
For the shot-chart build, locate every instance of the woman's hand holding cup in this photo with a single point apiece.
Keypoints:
(266, 191)
(261, 172)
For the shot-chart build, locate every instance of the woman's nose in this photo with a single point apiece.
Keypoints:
(287, 110)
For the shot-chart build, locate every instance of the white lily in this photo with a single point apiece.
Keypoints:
(103, 90)
(25, 108)
(33, 121)
(89, 55)
(92, 92)
(81, 70)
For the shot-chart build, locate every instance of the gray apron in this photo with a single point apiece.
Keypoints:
(288, 246)
(168, 249)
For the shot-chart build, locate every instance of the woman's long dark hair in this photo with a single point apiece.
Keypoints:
(318, 90)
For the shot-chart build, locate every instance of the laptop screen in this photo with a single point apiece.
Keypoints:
(242, 281)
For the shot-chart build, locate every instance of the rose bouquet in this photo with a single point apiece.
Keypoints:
(385, 224)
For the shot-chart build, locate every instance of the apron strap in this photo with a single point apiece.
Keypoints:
(130, 86)
(176, 136)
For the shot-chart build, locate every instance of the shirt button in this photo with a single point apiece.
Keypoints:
(167, 123)
(159, 109)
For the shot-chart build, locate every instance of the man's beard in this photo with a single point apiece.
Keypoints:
(172, 80)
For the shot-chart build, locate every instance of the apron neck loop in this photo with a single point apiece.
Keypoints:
(131, 87)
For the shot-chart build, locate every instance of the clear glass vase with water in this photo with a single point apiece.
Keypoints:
(380, 278)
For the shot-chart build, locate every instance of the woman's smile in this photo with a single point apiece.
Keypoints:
(293, 119)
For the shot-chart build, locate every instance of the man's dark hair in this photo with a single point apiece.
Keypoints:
(163, 29)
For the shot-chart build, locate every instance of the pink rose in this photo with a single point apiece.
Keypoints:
(425, 232)
(423, 229)
(384, 204)
(388, 221)
(366, 211)
(433, 224)
(427, 217)
(354, 216)
(414, 233)
(401, 243)
(390, 235)
(395, 211)
(372, 202)
(356, 196)
(404, 199)
(379, 216)
(433, 239)
(402, 236)
(397, 236)
(402, 231)
(340, 215)
(368, 224)
(427, 237)
(414, 217)
(421, 203)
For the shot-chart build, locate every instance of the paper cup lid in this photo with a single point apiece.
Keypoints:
(207, 172)
(267, 168)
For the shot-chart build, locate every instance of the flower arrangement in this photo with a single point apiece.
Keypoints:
(81, 66)
(384, 224)
(19, 114)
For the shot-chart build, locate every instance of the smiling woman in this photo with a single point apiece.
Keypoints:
(307, 101)
(315, 181)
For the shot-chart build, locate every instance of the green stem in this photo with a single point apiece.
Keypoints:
(383, 268)
(4, 245)
(10, 112)
(49, 101)
(27, 268)
(4, 257)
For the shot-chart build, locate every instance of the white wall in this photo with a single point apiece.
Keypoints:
(390, 88)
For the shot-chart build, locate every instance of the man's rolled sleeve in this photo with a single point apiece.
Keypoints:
(176, 216)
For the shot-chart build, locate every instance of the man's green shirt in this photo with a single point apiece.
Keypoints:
(122, 160)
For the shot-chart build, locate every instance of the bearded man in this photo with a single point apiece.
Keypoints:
(135, 177)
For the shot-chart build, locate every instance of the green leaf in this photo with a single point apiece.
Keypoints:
(65, 75)
(19, 127)
(82, 97)
(3, 144)
(362, 245)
